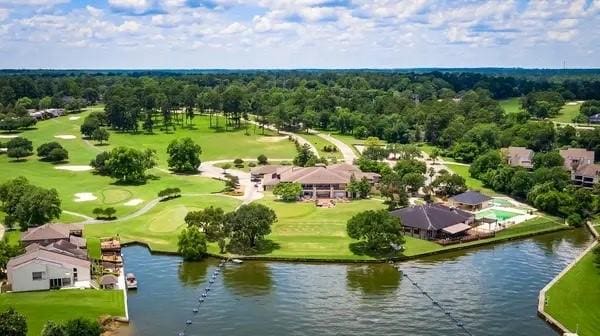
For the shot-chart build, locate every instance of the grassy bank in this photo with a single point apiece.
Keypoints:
(159, 227)
(574, 300)
(472, 183)
(62, 305)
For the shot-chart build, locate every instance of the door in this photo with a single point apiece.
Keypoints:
(55, 283)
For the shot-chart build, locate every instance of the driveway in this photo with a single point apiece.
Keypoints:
(347, 152)
(251, 193)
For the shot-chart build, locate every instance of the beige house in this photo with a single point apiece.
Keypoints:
(58, 265)
(576, 158)
(518, 157)
(586, 175)
(317, 182)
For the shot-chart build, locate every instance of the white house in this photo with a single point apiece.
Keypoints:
(48, 267)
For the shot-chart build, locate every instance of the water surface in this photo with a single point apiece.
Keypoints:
(492, 290)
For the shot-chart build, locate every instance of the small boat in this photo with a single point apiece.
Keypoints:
(131, 281)
(237, 261)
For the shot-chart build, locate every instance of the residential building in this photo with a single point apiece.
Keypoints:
(518, 157)
(576, 157)
(470, 201)
(434, 221)
(594, 119)
(317, 182)
(586, 175)
(57, 265)
(54, 232)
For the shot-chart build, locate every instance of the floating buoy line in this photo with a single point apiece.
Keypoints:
(202, 297)
(436, 303)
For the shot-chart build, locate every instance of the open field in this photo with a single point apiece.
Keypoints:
(567, 113)
(62, 305)
(159, 227)
(510, 105)
(573, 300)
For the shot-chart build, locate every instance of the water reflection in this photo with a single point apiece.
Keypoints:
(248, 279)
(192, 273)
(373, 279)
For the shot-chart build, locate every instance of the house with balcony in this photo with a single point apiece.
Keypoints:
(586, 175)
(518, 157)
(575, 158)
(317, 182)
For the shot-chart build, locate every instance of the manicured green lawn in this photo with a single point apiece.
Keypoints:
(473, 184)
(160, 227)
(567, 113)
(62, 305)
(93, 247)
(574, 300)
(303, 230)
(510, 105)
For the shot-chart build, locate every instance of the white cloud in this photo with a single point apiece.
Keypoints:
(45, 3)
(129, 27)
(562, 36)
(235, 28)
(130, 4)
(4, 13)
(95, 12)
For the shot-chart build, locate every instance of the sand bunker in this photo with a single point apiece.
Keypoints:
(272, 139)
(74, 118)
(134, 202)
(3, 149)
(8, 136)
(65, 137)
(74, 168)
(572, 103)
(84, 197)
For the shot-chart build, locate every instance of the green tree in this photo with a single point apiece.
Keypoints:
(53, 152)
(110, 212)
(547, 160)
(7, 251)
(449, 184)
(89, 126)
(413, 181)
(304, 156)
(262, 159)
(288, 191)
(210, 220)
(184, 155)
(12, 323)
(487, 161)
(404, 167)
(27, 204)
(100, 134)
(192, 243)
(128, 165)
(98, 212)
(377, 228)
(248, 225)
(19, 148)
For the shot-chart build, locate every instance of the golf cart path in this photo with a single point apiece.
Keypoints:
(347, 152)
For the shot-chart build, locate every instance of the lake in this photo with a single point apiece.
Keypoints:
(492, 290)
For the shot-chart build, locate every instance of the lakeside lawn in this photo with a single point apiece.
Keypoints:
(510, 105)
(567, 113)
(63, 305)
(574, 299)
(159, 227)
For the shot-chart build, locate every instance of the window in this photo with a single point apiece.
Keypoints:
(74, 274)
(37, 275)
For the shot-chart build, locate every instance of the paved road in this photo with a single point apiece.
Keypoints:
(347, 152)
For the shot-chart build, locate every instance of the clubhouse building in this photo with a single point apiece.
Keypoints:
(321, 181)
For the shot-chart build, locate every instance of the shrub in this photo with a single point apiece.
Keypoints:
(239, 163)
(251, 164)
(262, 159)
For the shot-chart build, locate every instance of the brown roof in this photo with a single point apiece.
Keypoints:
(519, 152)
(588, 170)
(49, 232)
(39, 253)
(266, 169)
(582, 155)
(335, 174)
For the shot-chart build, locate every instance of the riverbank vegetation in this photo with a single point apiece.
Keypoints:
(63, 305)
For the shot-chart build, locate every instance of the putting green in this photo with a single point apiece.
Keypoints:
(115, 195)
(170, 219)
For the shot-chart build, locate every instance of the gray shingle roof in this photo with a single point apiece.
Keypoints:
(471, 198)
(431, 216)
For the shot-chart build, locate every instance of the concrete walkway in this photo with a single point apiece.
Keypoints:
(1, 231)
(347, 152)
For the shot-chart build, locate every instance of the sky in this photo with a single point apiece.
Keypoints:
(249, 34)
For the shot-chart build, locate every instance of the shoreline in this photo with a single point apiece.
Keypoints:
(451, 249)
(553, 322)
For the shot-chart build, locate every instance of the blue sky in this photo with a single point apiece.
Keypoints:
(298, 33)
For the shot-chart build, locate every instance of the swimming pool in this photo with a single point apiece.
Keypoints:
(498, 214)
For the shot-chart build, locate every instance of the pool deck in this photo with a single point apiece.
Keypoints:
(520, 217)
